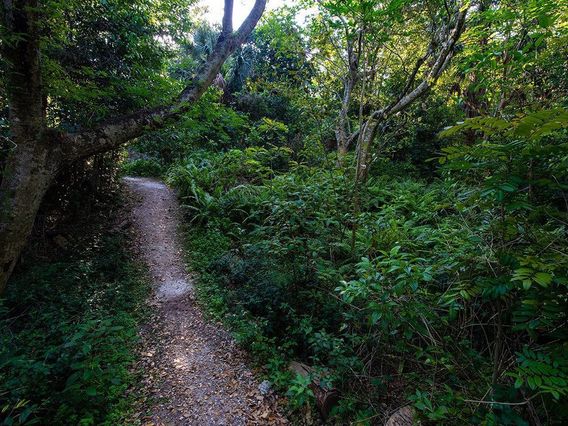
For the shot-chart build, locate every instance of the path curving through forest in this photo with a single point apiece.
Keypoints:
(194, 374)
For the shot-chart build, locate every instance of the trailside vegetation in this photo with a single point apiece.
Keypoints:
(374, 188)
(69, 326)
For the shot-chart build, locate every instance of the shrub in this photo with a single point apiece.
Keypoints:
(143, 167)
(67, 331)
(437, 292)
(268, 133)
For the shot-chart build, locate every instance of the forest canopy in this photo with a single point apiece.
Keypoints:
(375, 188)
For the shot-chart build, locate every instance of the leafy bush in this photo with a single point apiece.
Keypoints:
(268, 132)
(438, 292)
(67, 330)
(223, 187)
(143, 167)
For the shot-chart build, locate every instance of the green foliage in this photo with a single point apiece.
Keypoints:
(522, 69)
(299, 391)
(209, 124)
(268, 132)
(67, 330)
(106, 57)
(530, 127)
(219, 187)
(411, 293)
(542, 372)
(142, 167)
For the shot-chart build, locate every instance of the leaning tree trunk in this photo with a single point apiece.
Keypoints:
(28, 175)
(39, 152)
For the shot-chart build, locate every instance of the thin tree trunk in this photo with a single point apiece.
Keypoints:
(407, 97)
(364, 145)
(342, 132)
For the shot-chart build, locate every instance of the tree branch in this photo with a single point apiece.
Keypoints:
(441, 63)
(114, 133)
(228, 17)
(250, 22)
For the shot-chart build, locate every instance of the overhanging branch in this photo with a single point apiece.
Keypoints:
(114, 133)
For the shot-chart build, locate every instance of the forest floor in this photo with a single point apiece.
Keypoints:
(193, 371)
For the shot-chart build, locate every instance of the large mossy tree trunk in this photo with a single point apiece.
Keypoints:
(38, 153)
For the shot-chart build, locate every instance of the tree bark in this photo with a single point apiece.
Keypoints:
(342, 130)
(40, 152)
(366, 138)
(29, 167)
(342, 133)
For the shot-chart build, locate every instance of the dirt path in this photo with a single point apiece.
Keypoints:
(194, 372)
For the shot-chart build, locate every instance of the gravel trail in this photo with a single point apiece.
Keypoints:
(194, 373)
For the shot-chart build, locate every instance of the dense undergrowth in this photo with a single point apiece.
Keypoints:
(68, 326)
(439, 293)
(439, 282)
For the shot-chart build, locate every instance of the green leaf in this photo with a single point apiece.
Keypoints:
(543, 278)
(531, 382)
(375, 317)
(545, 20)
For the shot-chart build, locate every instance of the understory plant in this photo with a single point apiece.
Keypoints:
(449, 295)
(68, 328)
